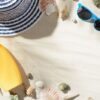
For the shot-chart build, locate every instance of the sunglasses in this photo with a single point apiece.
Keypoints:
(87, 15)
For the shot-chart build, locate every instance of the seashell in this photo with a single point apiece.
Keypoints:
(39, 84)
(75, 21)
(31, 91)
(45, 3)
(97, 3)
(72, 97)
(29, 76)
(64, 87)
(63, 9)
(51, 8)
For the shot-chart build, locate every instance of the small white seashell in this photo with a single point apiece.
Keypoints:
(39, 84)
(51, 8)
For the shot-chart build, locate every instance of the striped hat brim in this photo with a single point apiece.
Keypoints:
(17, 15)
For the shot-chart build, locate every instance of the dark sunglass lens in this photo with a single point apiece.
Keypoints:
(84, 14)
(97, 25)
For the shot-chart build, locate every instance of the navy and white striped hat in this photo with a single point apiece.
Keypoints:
(17, 15)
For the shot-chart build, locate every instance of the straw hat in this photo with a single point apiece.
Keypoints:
(17, 15)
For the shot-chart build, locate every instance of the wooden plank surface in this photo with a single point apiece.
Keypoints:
(55, 51)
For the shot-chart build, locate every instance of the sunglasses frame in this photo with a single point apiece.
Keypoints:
(93, 18)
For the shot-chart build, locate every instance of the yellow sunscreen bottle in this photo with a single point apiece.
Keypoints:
(10, 76)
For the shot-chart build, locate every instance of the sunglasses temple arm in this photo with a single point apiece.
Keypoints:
(93, 18)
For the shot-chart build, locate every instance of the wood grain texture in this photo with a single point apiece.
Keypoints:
(70, 54)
